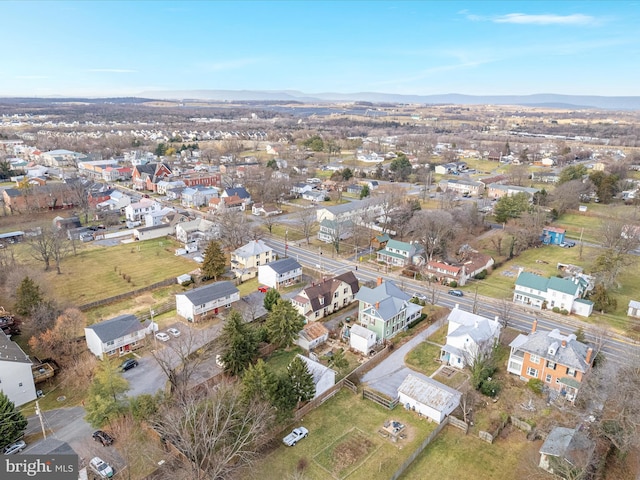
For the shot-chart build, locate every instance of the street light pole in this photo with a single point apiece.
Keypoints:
(153, 329)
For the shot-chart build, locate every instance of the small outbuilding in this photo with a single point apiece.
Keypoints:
(565, 450)
(362, 339)
(428, 397)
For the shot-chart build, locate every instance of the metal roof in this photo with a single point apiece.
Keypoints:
(429, 392)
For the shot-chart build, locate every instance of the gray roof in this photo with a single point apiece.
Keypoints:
(317, 370)
(213, 291)
(634, 304)
(479, 328)
(429, 392)
(572, 355)
(568, 443)
(347, 207)
(387, 300)
(117, 327)
(11, 351)
(253, 248)
(284, 265)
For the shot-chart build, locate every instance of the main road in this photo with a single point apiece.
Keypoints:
(616, 348)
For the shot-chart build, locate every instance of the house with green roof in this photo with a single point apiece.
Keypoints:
(565, 293)
(399, 254)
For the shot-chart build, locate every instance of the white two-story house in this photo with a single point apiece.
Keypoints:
(563, 293)
(16, 376)
(116, 336)
(202, 302)
(281, 273)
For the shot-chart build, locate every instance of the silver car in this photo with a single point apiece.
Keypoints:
(15, 447)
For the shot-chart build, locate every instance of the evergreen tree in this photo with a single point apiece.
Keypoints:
(13, 423)
(283, 323)
(365, 192)
(241, 344)
(28, 297)
(301, 380)
(258, 382)
(270, 299)
(106, 400)
(338, 361)
(214, 261)
(283, 397)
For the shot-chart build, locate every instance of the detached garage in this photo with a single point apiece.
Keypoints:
(428, 397)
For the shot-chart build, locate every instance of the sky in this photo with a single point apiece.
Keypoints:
(125, 48)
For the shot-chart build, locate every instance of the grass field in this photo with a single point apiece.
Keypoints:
(343, 443)
(424, 358)
(97, 272)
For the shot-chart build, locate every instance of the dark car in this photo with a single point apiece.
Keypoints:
(129, 364)
(456, 293)
(103, 437)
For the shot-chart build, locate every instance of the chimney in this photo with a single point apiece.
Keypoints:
(379, 281)
(457, 305)
(497, 318)
(589, 353)
(377, 305)
(564, 343)
(534, 326)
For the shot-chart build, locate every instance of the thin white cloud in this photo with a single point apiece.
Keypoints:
(31, 77)
(110, 70)
(546, 19)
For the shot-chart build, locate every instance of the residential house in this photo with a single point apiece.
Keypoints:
(164, 186)
(16, 376)
(323, 377)
(498, 190)
(399, 254)
(240, 192)
(135, 212)
(380, 241)
(312, 335)
(424, 395)
(227, 204)
(61, 223)
(246, 259)
(94, 168)
(633, 310)
(200, 231)
(202, 179)
(541, 176)
(354, 189)
(198, 196)
(566, 450)
(326, 297)
(331, 231)
(471, 264)
(203, 302)
(116, 337)
(156, 217)
(281, 273)
(61, 158)
(152, 232)
(45, 197)
(553, 235)
(146, 176)
(298, 189)
(385, 309)
(116, 202)
(468, 337)
(260, 209)
(354, 210)
(461, 186)
(565, 293)
(560, 361)
(315, 196)
(361, 339)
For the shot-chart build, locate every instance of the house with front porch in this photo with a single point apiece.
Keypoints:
(399, 254)
(560, 361)
(326, 297)
(553, 235)
(116, 337)
(385, 309)
(564, 293)
(206, 301)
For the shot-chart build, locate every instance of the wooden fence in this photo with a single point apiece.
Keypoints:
(419, 450)
(379, 399)
(521, 424)
(490, 437)
(456, 422)
(122, 296)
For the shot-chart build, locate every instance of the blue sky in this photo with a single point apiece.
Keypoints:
(419, 47)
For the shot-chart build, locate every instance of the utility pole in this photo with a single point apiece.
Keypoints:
(39, 413)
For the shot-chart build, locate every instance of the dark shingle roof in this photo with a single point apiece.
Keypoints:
(284, 265)
(117, 327)
(202, 295)
(327, 288)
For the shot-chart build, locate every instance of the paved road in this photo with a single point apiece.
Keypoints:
(387, 376)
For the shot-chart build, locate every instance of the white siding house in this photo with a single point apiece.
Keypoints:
(428, 397)
(116, 336)
(281, 273)
(16, 377)
(201, 302)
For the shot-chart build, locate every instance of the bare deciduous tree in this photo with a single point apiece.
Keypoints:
(235, 229)
(434, 228)
(306, 220)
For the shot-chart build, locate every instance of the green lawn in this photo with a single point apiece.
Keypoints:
(424, 358)
(454, 455)
(279, 360)
(343, 443)
(97, 272)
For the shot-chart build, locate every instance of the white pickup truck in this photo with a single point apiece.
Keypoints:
(297, 434)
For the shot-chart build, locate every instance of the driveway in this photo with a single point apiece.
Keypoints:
(387, 376)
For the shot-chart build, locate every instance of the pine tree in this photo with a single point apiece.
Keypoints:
(106, 400)
(13, 423)
(270, 299)
(214, 261)
(28, 296)
(258, 382)
(240, 342)
(301, 379)
(283, 323)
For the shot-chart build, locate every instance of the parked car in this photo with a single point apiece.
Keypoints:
(174, 332)
(456, 293)
(297, 434)
(101, 468)
(420, 296)
(128, 364)
(103, 437)
(568, 244)
(162, 336)
(15, 447)
(263, 288)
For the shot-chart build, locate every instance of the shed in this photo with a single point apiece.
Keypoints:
(312, 335)
(568, 446)
(362, 339)
(184, 278)
(428, 397)
(323, 377)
